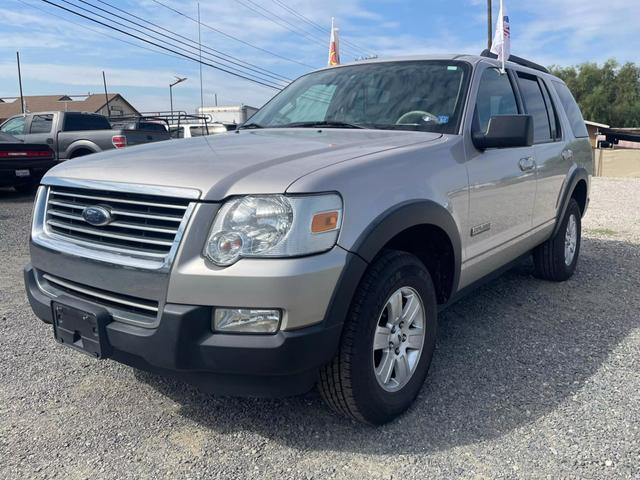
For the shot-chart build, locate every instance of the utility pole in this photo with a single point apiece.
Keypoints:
(200, 47)
(20, 82)
(106, 95)
(489, 25)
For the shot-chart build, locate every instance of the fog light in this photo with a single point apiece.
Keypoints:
(246, 320)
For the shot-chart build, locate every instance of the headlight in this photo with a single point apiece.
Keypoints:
(274, 226)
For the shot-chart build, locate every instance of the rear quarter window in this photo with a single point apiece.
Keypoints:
(76, 122)
(572, 110)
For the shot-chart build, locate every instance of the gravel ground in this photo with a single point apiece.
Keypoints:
(530, 380)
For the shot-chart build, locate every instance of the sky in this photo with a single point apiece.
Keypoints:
(278, 39)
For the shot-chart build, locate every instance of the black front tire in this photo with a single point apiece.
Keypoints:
(550, 258)
(348, 383)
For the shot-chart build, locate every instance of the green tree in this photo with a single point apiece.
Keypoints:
(606, 94)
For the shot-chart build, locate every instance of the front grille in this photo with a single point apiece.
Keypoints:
(125, 308)
(141, 225)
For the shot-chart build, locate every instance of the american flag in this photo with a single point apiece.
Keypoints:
(506, 27)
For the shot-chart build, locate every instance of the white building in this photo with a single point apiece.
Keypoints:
(230, 114)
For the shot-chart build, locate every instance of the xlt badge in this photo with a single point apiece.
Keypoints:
(478, 229)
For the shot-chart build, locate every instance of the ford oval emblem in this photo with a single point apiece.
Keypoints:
(97, 216)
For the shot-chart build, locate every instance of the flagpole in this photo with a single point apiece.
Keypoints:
(502, 20)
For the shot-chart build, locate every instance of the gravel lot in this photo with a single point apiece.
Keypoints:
(530, 380)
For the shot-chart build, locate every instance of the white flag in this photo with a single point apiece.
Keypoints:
(502, 40)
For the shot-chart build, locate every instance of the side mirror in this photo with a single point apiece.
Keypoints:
(506, 131)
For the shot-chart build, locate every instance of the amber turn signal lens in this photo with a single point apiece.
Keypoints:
(324, 222)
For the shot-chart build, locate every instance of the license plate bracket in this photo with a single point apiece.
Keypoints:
(81, 329)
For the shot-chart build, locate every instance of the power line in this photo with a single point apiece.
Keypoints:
(286, 24)
(213, 29)
(269, 73)
(179, 44)
(100, 32)
(319, 27)
(181, 54)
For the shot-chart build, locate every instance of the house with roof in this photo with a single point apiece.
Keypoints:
(92, 103)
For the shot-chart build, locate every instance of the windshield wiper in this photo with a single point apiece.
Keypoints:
(320, 124)
(250, 126)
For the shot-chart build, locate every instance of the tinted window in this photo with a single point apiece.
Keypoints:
(74, 122)
(571, 108)
(14, 126)
(152, 127)
(176, 132)
(495, 97)
(198, 131)
(552, 111)
(535, 106)
(41, 124)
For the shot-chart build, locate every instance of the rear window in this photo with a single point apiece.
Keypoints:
(571, 108)
(75, 122)
(536, 107)
(199, 131)
(152, 127)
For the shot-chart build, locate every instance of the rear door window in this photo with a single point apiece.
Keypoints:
(41, 124)
(75, 122)
(495, 97)
(14, 126)
(572, 110)
(535, 106)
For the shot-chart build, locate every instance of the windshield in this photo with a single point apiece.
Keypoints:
(415, 95)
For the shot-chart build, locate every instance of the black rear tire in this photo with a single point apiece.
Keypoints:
(550, 258)
(348, 383)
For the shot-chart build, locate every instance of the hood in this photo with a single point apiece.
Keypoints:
(246, 162)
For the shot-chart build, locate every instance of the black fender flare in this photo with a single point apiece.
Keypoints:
(384, 228)
(578, 174)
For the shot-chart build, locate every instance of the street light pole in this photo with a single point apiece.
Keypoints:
(171, 85)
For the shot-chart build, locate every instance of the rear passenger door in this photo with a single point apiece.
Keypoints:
(40, 129)
(553, 161)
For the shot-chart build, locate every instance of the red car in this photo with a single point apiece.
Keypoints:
(22, 165)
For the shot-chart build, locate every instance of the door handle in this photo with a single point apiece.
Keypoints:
(526, 164)
(49, 141)
(567, 155)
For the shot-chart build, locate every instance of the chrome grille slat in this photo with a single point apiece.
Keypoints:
(118, 200)
(132, 226)
(100, 295)
(103, 233)
(141, 225)
(117, 211)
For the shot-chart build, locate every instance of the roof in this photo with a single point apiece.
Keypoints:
(472, 59)
(10, 106)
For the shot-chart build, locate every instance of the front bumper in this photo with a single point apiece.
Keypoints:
(182, 345)
(37, 169)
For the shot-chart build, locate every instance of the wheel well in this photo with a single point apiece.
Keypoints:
(80, 152)
(580, 195)
(434, 249)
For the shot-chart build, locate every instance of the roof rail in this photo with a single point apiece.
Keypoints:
(520, 61)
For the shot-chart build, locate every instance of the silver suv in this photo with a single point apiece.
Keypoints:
(317, 243)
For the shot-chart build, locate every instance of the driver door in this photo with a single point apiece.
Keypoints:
(502, 184)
